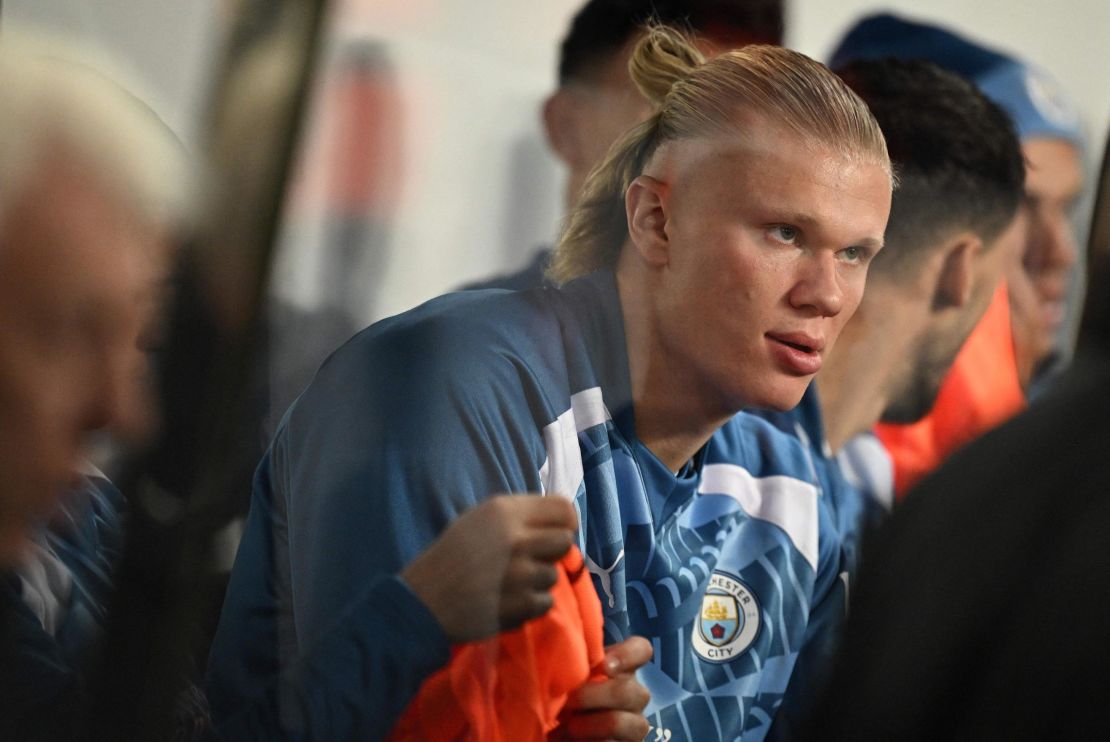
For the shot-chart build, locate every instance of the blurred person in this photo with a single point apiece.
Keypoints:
(1020, 338)
(92, 186)
(691, 288)
(596, 101)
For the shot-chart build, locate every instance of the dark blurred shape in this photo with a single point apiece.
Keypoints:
(178, 508)
(982, 611)
(1095, 328)
(601, 28)
(360, 149)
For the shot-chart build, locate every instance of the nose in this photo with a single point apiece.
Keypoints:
(1051, 247)
(121, 401)
(817, 288)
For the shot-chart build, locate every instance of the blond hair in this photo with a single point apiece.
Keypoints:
(694, 97)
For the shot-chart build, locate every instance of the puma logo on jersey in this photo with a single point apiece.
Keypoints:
(605, 575)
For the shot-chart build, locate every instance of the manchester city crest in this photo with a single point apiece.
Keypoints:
(728, 621)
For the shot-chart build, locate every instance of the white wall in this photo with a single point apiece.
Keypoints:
(474, 78)
(165, 45)
(1069, 38)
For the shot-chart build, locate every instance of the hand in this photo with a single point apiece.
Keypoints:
(611, 709)
(493, 568)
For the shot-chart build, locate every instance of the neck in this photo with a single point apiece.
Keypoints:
(854, 385)
(671, 420)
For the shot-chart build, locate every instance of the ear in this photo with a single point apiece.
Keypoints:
(645, 205)
(560, 124)
(956, 280)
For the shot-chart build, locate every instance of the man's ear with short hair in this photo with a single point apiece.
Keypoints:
(646, 208)
(562, 127)
(956, 279)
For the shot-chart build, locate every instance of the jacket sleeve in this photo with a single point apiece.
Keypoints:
(399, 433)
(356, 681)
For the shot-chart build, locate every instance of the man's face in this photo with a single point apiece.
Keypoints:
(593, 113)
(1038, 284)
(769, 243)
(915, 389)
(77, 282)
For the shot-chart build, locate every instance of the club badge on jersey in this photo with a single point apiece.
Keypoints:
(729, 622)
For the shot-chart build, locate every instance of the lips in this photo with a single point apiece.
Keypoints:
(1051, 302)
(796, 353)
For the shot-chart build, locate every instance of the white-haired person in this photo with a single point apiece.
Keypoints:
(92, 188)
(708, 267)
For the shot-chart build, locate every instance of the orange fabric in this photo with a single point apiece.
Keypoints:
(981, 391)
(512, 687)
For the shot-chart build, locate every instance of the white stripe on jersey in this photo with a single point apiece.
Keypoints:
(561, 472)
(789, 503)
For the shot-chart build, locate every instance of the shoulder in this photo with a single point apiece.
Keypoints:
(530, 276)
(450, 334)
(466, 366)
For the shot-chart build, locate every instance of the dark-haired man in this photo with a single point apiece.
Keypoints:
(596, 101)
(951, 234)
(953, 231)
(1019, 339)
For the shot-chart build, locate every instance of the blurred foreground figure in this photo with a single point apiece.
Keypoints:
(91, 185)
(89, 182)
(1001, 633)
(1020, 335)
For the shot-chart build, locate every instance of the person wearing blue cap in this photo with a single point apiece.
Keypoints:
(1005, 359)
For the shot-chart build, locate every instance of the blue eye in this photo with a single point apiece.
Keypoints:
(853, 254)
(784, 233)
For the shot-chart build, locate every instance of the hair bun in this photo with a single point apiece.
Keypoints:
(662, 57)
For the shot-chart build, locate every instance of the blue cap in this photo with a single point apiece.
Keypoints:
(1033, 99)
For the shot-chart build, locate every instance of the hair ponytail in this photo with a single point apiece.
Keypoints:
(663, 57)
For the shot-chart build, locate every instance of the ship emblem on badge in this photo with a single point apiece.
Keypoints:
(728, 621)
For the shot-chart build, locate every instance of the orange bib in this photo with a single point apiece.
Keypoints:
(980, 391)
(512, 687)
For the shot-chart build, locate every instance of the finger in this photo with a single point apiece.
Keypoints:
(547, 544)
(617, 725)
(517, 608)
(627, 656)
(550, 510)
(525, 575)
(622, 693)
